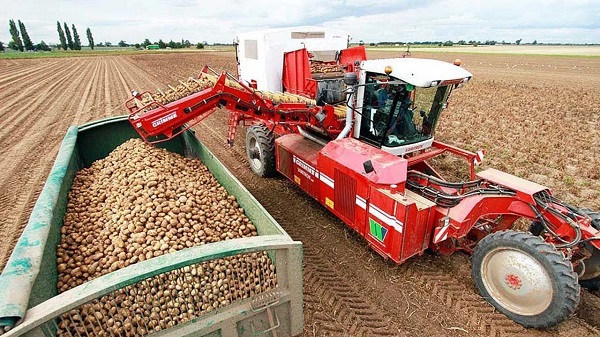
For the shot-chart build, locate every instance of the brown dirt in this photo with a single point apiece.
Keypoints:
(536, 122)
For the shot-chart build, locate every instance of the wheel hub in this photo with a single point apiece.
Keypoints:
(517, 281)
(254, 153)
(513, 281)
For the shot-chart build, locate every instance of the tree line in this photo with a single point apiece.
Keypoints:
(449, 43)
(69, 40)
(20, 40)
(160, 44)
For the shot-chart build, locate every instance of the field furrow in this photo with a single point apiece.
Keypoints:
(67, 98)
(16, 74)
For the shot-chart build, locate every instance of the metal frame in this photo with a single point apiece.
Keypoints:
(289, 287)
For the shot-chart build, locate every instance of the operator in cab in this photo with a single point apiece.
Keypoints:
(402, 119)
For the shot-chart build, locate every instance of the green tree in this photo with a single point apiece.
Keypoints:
(123, 44)
(146, 43)
(17, 44)
(42, 46)
(90, 38)
(199, 45)
(27, 44)
(61, 36)
(76, 39)
(1, 46)
(162, 44)
(69, 38)
(534, 41)
(518, 42)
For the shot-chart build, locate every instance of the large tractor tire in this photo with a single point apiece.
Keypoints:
(594, 215)
(525, 278)
(260, 148)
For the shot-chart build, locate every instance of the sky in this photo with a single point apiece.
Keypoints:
(547, 21)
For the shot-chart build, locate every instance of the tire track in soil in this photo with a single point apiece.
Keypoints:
(25, 174)
(433, 281)
(451, 293)
(590, 324)
(340, 309)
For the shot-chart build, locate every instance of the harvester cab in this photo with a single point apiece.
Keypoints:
(399, 101)
(395, 104)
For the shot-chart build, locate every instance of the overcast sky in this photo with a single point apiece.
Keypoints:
(547, 21)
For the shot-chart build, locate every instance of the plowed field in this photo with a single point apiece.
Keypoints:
(537, 117)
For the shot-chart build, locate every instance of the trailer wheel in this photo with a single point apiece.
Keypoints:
(260, 148)
(525, 278)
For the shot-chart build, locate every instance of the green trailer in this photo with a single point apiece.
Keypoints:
(29, 300)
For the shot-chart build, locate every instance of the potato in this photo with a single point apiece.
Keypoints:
(138, 203)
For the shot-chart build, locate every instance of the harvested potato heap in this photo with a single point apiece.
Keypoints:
(321, 67)
(194, 85)
(138, 203)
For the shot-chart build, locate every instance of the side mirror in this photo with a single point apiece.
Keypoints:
(368, 166)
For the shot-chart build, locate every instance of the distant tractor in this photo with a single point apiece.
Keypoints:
(152, 46)
(357, 135)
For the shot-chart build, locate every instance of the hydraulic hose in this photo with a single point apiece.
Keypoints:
(545, 201)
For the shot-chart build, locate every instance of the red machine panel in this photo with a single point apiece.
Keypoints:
(297, 160)
(417, 213)
(297, 77)
(351, 55)
(384, 231)
(352, 153)
(339, 187)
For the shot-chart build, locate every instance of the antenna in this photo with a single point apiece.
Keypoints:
(407, 51)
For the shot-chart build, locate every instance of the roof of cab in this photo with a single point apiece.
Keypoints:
(418, 72)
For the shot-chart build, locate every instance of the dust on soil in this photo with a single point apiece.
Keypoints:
(537, 117)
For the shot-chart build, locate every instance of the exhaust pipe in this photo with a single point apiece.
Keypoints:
(350, 79)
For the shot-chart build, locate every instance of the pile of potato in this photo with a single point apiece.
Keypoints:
(194, 85)
(138, 203)
(322, 67)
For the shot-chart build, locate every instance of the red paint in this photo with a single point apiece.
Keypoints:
(513, 281)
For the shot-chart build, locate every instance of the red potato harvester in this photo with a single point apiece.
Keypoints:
(368, 165)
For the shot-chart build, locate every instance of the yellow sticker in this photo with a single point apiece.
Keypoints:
(329, 202)
(297, 179)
